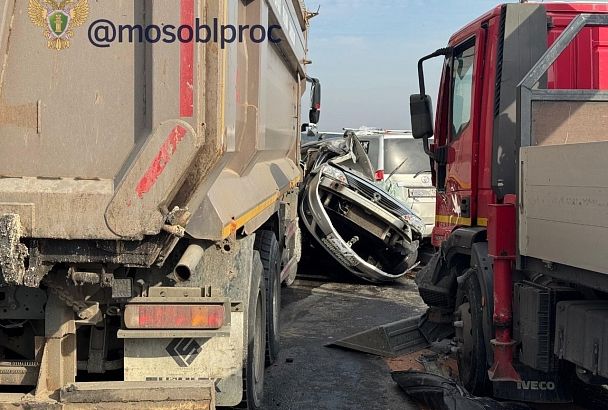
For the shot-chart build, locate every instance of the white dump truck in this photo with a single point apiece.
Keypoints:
(148, 192)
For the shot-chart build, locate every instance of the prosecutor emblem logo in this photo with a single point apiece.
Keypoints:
(58, 18)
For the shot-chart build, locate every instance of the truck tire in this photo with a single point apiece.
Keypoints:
(253, 371)
(268, 246)
(472, 364)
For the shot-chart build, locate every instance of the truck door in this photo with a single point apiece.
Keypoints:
(458, 125)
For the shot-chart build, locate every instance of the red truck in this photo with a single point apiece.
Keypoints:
(519, 162)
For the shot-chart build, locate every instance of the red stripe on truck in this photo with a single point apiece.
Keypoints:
(160, 161)
(186, 66)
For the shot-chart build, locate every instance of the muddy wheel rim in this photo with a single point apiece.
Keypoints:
(275, 304)
(258, 345)
(466, 346)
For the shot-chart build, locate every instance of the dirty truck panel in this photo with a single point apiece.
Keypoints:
(133, 179)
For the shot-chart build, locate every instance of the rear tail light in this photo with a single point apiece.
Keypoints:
(379, 175)
(148, 316)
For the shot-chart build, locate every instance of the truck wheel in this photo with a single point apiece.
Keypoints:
(268, 246)
(472, 364)
(253, 373)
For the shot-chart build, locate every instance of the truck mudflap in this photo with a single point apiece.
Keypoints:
(186, 395)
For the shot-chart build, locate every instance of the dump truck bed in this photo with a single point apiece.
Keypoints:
(100, 143)
(134, 177)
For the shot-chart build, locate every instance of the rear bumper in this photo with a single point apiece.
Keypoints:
(188, 395)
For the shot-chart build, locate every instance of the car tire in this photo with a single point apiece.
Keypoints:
(472, 363)
(268, 246)
(253, 369)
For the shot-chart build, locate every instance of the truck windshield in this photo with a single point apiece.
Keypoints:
(398, 149)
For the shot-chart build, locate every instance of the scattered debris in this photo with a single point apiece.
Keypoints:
(397, 338)
(388, 340)
(441, 393)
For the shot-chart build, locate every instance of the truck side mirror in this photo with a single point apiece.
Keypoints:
(314, 115)
(421, 111)
(315, 103)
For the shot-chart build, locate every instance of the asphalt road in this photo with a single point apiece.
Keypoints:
(322, 306)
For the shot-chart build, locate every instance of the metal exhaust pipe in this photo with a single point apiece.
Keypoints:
(188, 262)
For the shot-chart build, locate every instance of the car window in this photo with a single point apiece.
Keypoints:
(396, 150)
(462, 90)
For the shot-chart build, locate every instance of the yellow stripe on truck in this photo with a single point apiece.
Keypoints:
(453, 220)
(458, 220)
(239, 222)
(233, 226)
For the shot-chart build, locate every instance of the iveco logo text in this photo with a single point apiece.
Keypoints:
(535, 385)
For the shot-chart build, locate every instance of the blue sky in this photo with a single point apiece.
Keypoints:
(365, 53)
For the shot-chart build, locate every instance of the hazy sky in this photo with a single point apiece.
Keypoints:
(365, 53)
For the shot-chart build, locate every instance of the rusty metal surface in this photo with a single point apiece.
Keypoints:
(186, 395)
(12, 251)
(107, 392)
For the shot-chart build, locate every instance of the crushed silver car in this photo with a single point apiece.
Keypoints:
(370, 233)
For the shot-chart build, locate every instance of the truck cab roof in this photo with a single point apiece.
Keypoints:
(552, 7)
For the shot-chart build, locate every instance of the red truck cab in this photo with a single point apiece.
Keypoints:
(476, 277)
(469, 106)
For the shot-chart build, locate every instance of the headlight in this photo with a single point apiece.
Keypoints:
(415, 223)
(422, 193)
(334, 174)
